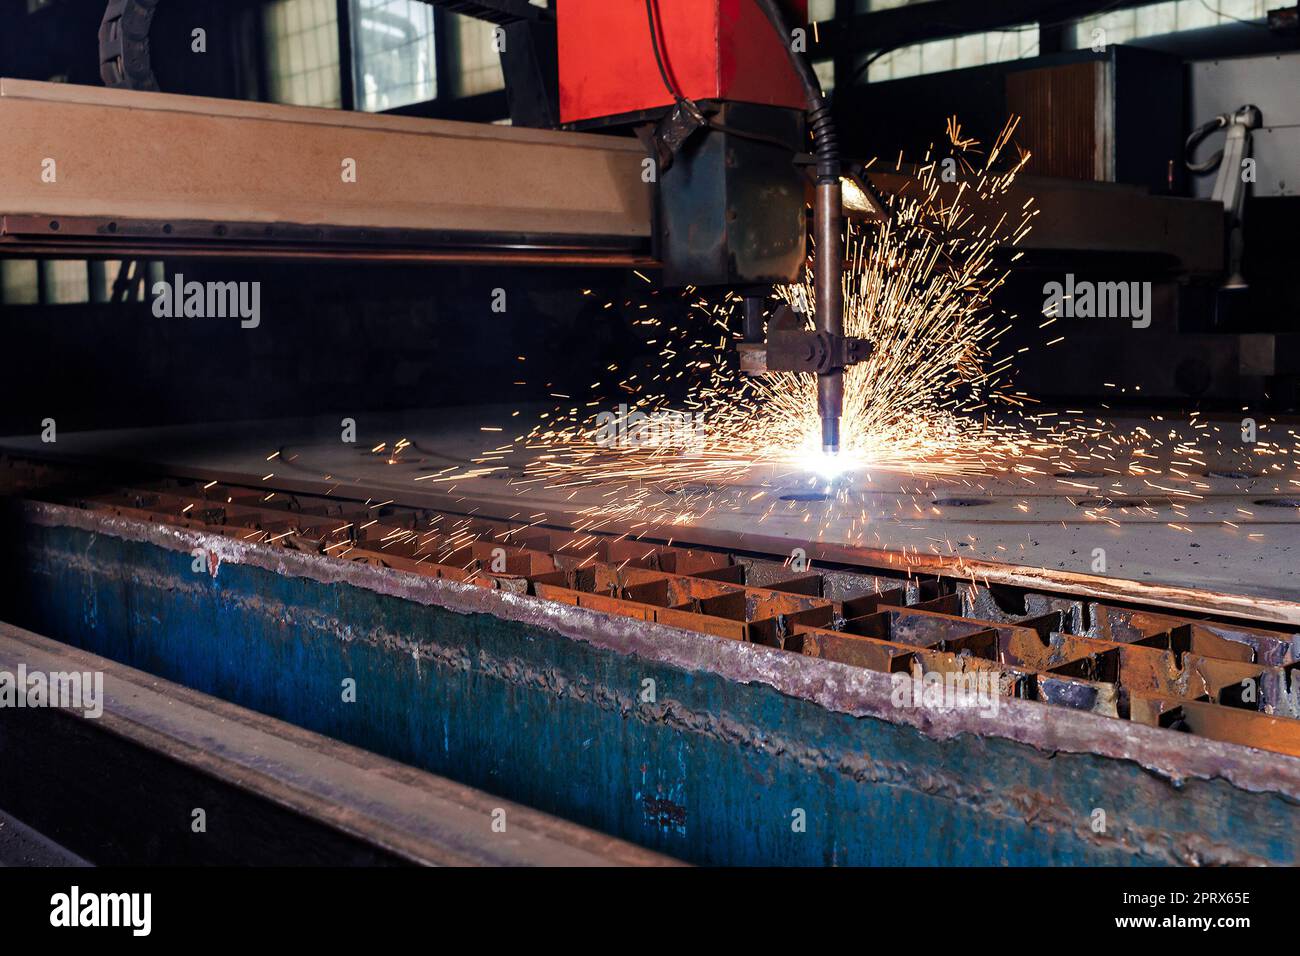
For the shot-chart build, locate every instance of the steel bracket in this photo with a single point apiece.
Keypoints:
(793, 348)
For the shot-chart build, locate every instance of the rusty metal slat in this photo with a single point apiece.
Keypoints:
(855, 650)
(1228, 724)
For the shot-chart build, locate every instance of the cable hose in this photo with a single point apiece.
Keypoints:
(826, 139)
(1199, 135)
(821, 124)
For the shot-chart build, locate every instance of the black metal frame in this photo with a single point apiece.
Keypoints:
(531, 97)
(528, 64)
(501, 12)
(347, 64)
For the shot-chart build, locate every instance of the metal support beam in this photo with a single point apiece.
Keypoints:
(347, 72)
(137, 168)
(252, 171)
(530, 65)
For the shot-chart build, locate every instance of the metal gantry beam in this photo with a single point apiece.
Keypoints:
(130, 171)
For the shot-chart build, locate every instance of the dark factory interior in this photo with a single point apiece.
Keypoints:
(649, 432)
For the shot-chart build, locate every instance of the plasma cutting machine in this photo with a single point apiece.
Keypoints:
(722, 108)
(717, 192)
(340, 566)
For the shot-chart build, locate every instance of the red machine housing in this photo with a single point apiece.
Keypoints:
(713, 49)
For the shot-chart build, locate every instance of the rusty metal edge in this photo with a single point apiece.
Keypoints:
(1166, 597)
(833, 686)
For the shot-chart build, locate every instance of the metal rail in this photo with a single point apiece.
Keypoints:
(80, 237)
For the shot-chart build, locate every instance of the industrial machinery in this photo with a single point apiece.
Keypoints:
(690, 686)
(720, 94)
(1231, 162)
(739, 91)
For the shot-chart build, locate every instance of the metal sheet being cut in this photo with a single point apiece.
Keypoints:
(1222, 540)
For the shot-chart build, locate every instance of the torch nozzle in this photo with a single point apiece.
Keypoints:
(831, 434)
(829, 292)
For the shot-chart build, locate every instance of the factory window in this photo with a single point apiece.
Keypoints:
(1157, 19)
(822, 10)
(66, 281)
(72, 281)
(394, 60)
(302, 42)
(137, 278)
(19, 282)
(956, 53)
(479, 62)
(825, 70)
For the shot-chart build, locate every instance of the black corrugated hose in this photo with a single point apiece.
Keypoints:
(826, 140)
